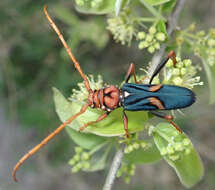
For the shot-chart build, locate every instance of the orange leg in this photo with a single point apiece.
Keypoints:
(103, 116)
(169, 118)
(46, 140)
(131, 71)
(77, 65)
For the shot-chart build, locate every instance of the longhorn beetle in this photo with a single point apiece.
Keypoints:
(132, 97)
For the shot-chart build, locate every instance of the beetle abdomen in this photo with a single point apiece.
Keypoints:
(156, 97)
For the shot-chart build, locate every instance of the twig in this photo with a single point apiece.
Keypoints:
(172, 23)
(114, 168)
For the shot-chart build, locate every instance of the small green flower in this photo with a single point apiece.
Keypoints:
(122, 27)
(151, 39)
(85, 156)
(79, 2)
(163, 151)
(151, 49)
(186, 142)
(178, 81)
(160, 36)
(152, 30)
(78, 149)
(82, 93)
(183, 74)
(141, 35)
(126, 170)
(170, 149)
(176, 71)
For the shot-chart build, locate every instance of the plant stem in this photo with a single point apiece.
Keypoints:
(146, 19)
(172, 23)
(113, 169)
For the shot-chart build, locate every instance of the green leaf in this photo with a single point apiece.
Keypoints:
(161, 27)
(156, 2)
(98, 161)
(210, 73)
(104, 7)
(189, 166)
(110, 126)
(81, 30)
(153, 11)
(168, 6)
(144, 156)
(87, 141)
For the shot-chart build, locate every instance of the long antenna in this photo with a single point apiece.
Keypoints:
(60, 36)
(46, 140)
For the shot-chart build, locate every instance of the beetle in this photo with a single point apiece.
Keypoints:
(131, 96)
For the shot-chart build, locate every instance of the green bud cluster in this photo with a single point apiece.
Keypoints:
(126, 170)
(150, 40)
(205, 45)
(210, 50)
(92, 3)
(135, 146)
(177, 149)
(80, 161)
(182, 74)
(82, 93)
(122, 28)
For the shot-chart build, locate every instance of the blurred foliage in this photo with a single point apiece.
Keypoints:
(33, 61)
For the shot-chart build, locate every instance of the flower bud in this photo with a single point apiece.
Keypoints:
(157, 45)
(169, 63)
(152, 30)
(143, 44)
(174, 157)
(149, 38)
(141, 35)
(78, 149)
(151, 49)
(163, 151)
(170, 149)
(76, 157)
(176, 71)
(85, 156)
(186, 142)
(187, 62)
(177, 81)
(178, 147)
(183, 71)
(160, 36)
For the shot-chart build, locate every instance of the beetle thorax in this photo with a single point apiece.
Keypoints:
(106, 99)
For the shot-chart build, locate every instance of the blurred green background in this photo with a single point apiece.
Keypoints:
(32, 61)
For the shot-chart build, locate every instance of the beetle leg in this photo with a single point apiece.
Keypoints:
(103, 116)
(131, 71)
(169, 118)
(172, 56)
(125, 122)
